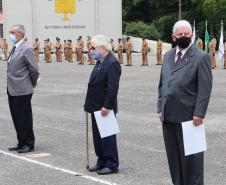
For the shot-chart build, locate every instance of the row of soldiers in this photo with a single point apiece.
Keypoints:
(68, 51)
(67, 47)
(79, 50)
(212, 50)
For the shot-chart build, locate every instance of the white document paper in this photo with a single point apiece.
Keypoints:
(194, 138)
(107, 126)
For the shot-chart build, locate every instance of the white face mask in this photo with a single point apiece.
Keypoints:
(12, 38)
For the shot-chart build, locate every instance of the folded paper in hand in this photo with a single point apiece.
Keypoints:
(108, 125)
(194, 138)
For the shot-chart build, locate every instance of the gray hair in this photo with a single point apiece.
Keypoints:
(20, 28)
(102, 41)
(182, 23)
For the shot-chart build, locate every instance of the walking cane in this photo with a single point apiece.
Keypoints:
(87, 141)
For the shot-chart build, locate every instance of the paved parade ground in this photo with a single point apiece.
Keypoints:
(59, 126)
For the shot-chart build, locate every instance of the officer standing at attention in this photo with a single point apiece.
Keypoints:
(129, 47)
(199, 43)
(48, 48)
(65, 50)
(159, 51)
(144, 52)
(69, 50)
(120, 51)
(213, 51)
(112, 47)
(5, 48)
(36, 47)
(89, 47)
(58, 47)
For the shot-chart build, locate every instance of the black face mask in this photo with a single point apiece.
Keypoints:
(183, 42)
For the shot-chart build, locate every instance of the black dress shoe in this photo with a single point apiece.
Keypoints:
(25, 149)
(95, 168)
(14, 148)
(107, 171)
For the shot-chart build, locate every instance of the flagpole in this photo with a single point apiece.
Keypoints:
(221, 44)
(194, 33)
(206, 39)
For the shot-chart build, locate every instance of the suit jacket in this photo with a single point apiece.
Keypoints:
(184, 89)
(103, 85)
(22, 71)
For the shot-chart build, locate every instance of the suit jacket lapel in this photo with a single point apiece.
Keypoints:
(17, 51)
(172, 59)
(101, 68)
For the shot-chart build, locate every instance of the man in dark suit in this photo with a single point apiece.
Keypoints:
(102, 96)
(22, 76)
(184, 92)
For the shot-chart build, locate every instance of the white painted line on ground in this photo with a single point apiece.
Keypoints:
(38, 155)
(90, 178)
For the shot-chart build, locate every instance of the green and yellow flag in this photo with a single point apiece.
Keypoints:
(207, 39)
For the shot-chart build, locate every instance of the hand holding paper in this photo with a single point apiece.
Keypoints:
(108, 125)
(194, 138)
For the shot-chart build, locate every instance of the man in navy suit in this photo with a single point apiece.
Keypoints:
(102, 96)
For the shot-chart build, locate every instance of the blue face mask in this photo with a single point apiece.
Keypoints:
(12, 38)
(95, 54)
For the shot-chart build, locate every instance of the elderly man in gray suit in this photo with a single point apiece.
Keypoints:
(22, 76)
(184, 92)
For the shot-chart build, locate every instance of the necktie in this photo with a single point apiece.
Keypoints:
(179, 54)
(11, 53)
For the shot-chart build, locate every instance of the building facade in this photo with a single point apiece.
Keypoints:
(66, 19)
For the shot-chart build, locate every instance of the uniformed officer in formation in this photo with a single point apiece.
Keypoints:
(65, 50)
(5, 48)
(69, 50)
(199, 43)
(89, 47)
(58, 47)
(159, 52)
(120, 51)
(36, 47)
(112, 47)
(144, 51)
(80, 47)
(129, 47)
(48, 50)
(212, 51)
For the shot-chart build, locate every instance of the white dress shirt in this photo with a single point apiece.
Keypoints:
(15, 45)
(183, 51)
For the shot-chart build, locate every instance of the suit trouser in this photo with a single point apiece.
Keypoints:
(21, 112)
(105, 148)
(184, 170)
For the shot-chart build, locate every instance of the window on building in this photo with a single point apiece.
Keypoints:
(1, 30)
(0, 6)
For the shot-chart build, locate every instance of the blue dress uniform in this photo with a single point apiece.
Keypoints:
(102, 92)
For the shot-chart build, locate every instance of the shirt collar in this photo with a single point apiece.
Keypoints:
(183, 51)
(18, 43)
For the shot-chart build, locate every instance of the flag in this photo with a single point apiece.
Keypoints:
(207, 39)
(194, 35)
(221, 45)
